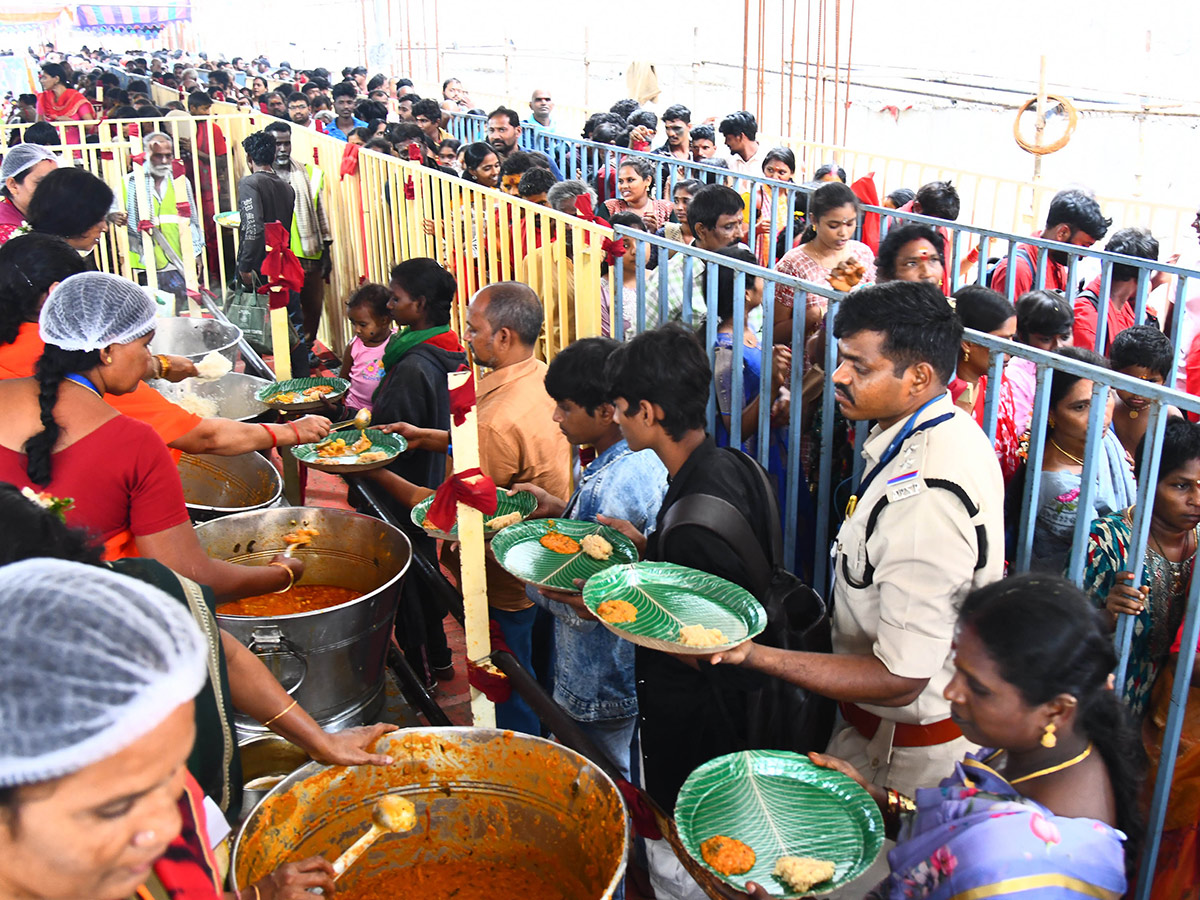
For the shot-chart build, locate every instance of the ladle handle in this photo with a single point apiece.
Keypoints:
(350, 856)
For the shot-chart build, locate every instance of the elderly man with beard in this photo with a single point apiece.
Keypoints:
(172, 207)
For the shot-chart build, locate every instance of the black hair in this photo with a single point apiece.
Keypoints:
(981, 308)
(740, 122)
(381, 145)
(1131, 242)
(939, 199)
(677, 113)
(511, 114)
(57, 70)
(624, 108)
(576, 373)
(363, 132)
(29, 264)
(896, 240)
(1141, 345)
(517, 163)
(536, 181)
(710, 203)
(691, 185)
(219, 77)
(259, 147)
(453, 143)
(515, 306)
(297, 97)
(829, 196)
(611, 133)
(704, 133)
(412, 99)
(445, 84)
(901, 196)
(1061, 382)
(69, 202)
(830, 169)
(783, 155)
(52, 368)
(425, 278)
(30, 531)
(1043, 312)
(1079, 210)
(643, 167)
(595, 120)
(629, 219)
(137, 86)
(726, 279)
(278, 126)
(473, 157)
(27, 99)
(376, 81)
(371, 110)
(430, 109)
(665, 366)
(269, 94)
(372, 295)
(1047, 639)
(1180, 445)
(196, 99)
(643, 117)
(344, 89)
(42, 133)
(359, 70)
(917, 323)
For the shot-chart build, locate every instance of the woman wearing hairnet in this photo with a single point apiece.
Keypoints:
(58, 435)
(95, 799)
(23, 169)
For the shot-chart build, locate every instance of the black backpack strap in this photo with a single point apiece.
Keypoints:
(728, 523)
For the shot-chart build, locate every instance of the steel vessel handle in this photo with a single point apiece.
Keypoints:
(268, 640)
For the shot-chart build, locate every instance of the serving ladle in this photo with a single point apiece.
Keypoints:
(390, 814)
(361, 420)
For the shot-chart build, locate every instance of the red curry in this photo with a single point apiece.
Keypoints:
(299, 598)
(462, 879)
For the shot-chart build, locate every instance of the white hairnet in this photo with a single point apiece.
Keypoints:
(92, 310)
(23, 157)
(90, 661)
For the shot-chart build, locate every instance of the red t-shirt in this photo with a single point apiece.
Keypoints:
(1023, 268)
(121, 478)
(1084, 332)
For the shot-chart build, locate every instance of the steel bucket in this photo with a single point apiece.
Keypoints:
(215, 486)
(195, 338)
(331, 660)
(266, 761)
(233, 393)
(482, 796)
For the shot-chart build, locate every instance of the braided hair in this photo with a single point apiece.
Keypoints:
(52, 369)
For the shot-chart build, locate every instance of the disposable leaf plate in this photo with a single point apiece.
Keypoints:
(523, 502)
(668, 597)
(780, 804)
(340, 387)
(518, 549)
(391, 444)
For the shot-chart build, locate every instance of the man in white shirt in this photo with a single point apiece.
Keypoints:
(740, 131)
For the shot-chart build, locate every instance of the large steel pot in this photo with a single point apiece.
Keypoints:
(195, 338)
(215, 486)
(331, 660)
(484, 798)
(233, 394)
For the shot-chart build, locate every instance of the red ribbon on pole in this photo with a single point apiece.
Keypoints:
(183, 208)
(145, 225)
(478, 493)
(280, 267)
(612, 249)
(462, 400)
(583, 206)
(350, 160)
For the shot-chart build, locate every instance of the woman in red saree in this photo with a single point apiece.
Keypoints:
(58, 102)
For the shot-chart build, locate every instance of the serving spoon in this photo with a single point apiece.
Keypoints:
(390, 814)
(361, 420)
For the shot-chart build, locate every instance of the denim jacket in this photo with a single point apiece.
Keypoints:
(593, 667)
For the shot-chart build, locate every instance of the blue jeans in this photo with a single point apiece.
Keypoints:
(517, 628)
(614, 737)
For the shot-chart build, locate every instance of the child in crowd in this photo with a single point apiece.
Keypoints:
(362, 364)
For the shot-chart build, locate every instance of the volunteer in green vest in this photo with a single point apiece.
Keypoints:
(172, 207)
(311, 238)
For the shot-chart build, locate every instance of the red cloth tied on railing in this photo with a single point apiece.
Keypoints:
(471, 487)
(492, 684)
(866, 191)
(145, 225)
(350, 160)
(583, 206)
(462, 400)
(414, 155)
(316, 157)
(106, 154)
(280, 267)
(640, 812)
(612, 249)
(183, 208)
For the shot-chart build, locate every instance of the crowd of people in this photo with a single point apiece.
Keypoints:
(976, 709)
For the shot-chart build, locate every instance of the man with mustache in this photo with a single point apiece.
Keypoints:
(1074, 218)
(925, 527)
(172, 207)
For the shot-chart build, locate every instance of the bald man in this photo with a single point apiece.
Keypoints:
(541, 105)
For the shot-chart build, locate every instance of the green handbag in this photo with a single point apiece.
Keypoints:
(248, 310)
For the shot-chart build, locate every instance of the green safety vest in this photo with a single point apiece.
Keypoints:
(168, 223)
(315, 178)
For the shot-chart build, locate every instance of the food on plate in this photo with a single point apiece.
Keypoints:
(316, 392)
(504, 521)
(699, 636)
(616, 612)
(429, 526)
(801, 873)
(362, 445)
(213, 366)
(558, 542)
(302, 535)
(332, 448)
(372, 456)
(846, 274)
(195, 404)
(727, 856)
(596, 547)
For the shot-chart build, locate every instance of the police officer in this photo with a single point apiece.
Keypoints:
(925, 528)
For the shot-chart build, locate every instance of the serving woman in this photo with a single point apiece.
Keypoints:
(23, 169)
(95, 797)
(58, 435)
(1050, 808)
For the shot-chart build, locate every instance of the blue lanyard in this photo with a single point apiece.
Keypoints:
(83, 382)
(906, 431)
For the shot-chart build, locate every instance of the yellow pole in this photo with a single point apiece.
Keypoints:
(465, 439)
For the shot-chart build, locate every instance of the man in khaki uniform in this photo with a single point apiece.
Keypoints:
(924, 530)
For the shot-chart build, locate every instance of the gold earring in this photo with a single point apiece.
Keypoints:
(108, 361)
(966, 354)
(1049, 741)
(1050, 421)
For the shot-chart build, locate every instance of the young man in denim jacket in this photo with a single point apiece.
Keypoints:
(593, 674)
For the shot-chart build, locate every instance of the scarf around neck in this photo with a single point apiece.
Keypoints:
(403, 341)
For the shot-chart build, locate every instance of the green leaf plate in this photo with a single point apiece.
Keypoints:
(667, 597)
(523, 502)
(392, 444)
(340, 387)
(518, 549)
(780, 804)
(231, 219)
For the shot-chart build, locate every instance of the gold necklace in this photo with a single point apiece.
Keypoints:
(1075, 459)
(1064, 765)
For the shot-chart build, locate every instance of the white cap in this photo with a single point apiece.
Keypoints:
(22, 158)
(90, 661)
(91, 310)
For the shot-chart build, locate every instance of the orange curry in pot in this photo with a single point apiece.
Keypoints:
(300, 598)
